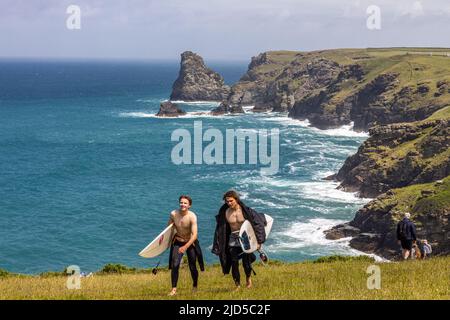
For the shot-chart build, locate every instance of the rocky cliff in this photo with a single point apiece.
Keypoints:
(373, 230)
(196, 82)
(407, 167)
(336, 87)
(400, 96)
(399, 155)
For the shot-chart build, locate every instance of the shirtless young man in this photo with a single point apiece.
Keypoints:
(185, 222)
(226, 239)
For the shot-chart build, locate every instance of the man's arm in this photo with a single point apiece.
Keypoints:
(194, 234)
(170, 219)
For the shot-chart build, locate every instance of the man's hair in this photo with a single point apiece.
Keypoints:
(184, 196)
(407, 215)
(232, 194)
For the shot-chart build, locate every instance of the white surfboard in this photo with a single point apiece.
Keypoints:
(247, 232)
(160, 244)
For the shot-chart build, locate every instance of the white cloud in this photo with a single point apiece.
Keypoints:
(215, 28)
(415, 10)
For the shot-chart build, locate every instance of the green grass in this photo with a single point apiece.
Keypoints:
(329, 278)
(443, 113)
(387, 157)
(410, 199)
(414, 66)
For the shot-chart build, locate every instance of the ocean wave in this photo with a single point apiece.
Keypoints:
(327, 191)
(155, 100)
(188, 115)
(343, 131)
(199, 114)
(305, 234)
(137, 115)
(315, 190)
(320, 175)
(215, 103)
(247, 108)
(310, 234)
(286, 121)
(268, 203)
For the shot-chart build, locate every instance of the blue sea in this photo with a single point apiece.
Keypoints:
(86, 176)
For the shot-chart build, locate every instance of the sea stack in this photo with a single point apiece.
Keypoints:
(226, 108)
(196, 82)
(169, 109)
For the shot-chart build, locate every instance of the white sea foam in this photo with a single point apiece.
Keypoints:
(286, 121)
(323, 174)
(267, 203)
(301, 235)
(149, 100)
(215, 103)
(188, 115)
(305, 234)
(136, 115)
(315, 190)
(327, 190)
(343, 131)
(243, 195)
(199, 114)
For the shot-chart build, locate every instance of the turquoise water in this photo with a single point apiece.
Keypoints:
(86, 176)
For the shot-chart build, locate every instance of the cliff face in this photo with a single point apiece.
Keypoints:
(407, 166)
(336, 87)
(330, 88)
(374, 227)
(276, 80)
(197, 82)
(399, 155)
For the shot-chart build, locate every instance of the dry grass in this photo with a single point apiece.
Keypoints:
(427, 279)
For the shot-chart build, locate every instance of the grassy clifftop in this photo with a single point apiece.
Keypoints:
(335, 87)
(374, 226)
(399, 155)
(331, 279)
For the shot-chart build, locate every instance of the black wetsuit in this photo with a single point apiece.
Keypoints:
(228, 251)
(176, 260)
(236, 254)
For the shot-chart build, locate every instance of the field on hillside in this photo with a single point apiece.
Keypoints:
(334, 278)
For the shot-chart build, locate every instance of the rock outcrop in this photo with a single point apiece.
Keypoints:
(225, 108)
(407, 167)
(169, 109)
(337, 87)
(276, 80)
(196, 82)
(373, 230)
(398, 155)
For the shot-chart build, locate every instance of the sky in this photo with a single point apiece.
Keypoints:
(217, 30)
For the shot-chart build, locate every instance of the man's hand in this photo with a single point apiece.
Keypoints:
(182, 249)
